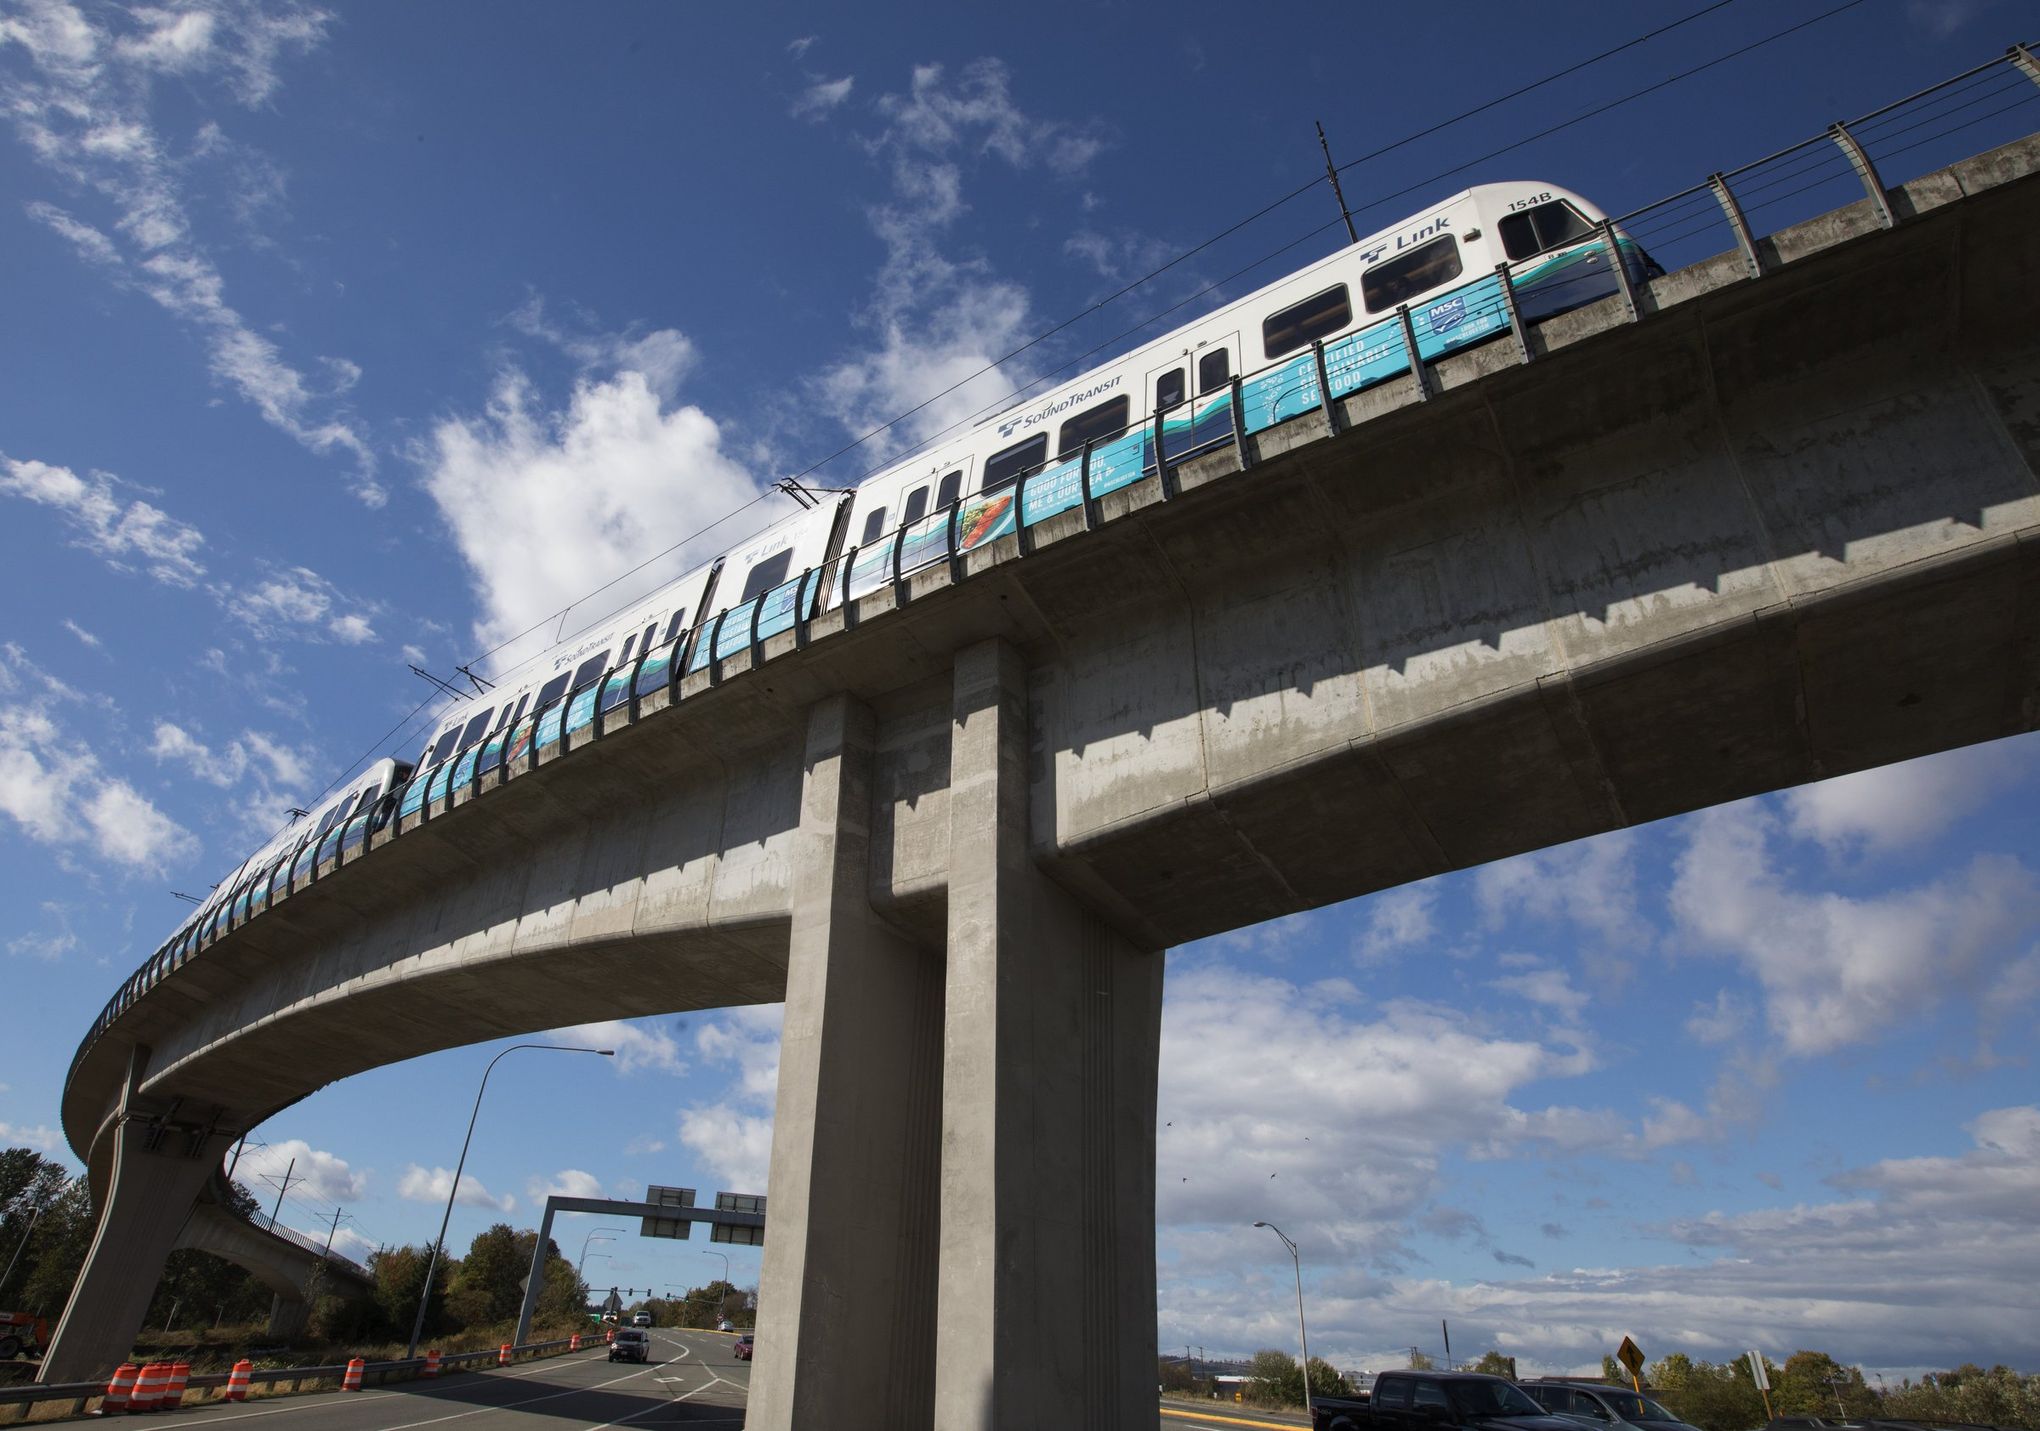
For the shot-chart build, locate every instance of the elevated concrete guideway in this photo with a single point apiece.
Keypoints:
(1775, 530)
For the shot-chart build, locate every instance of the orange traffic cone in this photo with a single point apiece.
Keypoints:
(352, 1380)
(148, 1392)
(574, 1344)
(432, 1363)
(237, 1380)
(120, 1390)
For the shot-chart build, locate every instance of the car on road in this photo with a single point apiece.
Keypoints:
(743, 1347)
(1597, 1403)
(642, 1319)
(631, 1344)
(1437, 1401)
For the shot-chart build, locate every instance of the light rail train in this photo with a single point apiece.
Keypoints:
(1456, 274)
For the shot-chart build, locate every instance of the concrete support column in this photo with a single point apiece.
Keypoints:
(149, 1197)
(1051, 1024)
(846, 1295)
(288, 1317)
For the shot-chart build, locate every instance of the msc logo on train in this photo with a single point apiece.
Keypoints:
(1447, 315)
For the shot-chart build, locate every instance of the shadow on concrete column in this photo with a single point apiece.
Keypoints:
(1052, 1021)
(846, 1295)
(148, 1199)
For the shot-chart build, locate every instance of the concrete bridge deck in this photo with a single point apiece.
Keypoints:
(1772, 531)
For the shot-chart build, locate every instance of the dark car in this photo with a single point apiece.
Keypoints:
(1438, 1401)
(743, 1347)
(631, 1344)
(1611, 1406)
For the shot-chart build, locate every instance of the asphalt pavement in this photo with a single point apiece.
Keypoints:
(693, 1379)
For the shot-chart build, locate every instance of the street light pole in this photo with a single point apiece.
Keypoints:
(707, 1252)
(1301, 1336)
(591, 1237)
(432, 1262)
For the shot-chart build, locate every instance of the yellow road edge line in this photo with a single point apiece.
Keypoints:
(1228, 1420)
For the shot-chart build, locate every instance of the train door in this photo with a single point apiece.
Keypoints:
(1193, 393)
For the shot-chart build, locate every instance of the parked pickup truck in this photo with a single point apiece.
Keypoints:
(1437, 1401)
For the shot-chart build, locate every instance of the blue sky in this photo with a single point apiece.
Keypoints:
(343, 340)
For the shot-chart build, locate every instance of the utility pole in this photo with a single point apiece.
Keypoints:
(281, 1188)
(333, 1231)
(1332, 173)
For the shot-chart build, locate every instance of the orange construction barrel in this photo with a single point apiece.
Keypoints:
(238, 1379)
(352, 1380)
(120, 1389)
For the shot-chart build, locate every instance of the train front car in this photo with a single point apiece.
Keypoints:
(1557, 247)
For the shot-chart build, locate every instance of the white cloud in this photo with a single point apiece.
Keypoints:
(351, 630)
(641, 1045)
(800, 46)
(1549, 988)
(939, 322)
(1838, 970)
(545, 504)
(127, 535)
(567, 1182)
(1719, 1022)
(296, 603)
(53, 786)
(1894, 807)
(41, 1137)
(1590, 884)
(82, 634)
(49, 944)
(82, 107)
(313, 1172)
(821, 97)
(734, 1136)
(431, 1185)
(734, 1145)
(1398, 919)
(1332, 1122)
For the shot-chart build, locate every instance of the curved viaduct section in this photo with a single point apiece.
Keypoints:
(1767, 532)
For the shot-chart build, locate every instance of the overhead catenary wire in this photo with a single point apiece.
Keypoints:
(1158, 271)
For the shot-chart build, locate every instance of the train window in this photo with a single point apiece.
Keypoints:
(1169, 389)
(1420, 270)
(917, 507)
(766, 575)
(1214, 370)
(948, 489)
(1301, 324)
(1548, 226)
(645, 641)
(874, 527)
(673, 626)
(1107, 419)
(551, 690)
(1002, 469)
(442, 747)
(590, 669)
(629, 645)
(476, 728)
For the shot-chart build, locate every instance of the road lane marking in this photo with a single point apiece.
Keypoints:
(513, 1405)
(1228, 1420)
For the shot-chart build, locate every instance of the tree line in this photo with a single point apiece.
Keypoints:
(1714, 1396)
(46, 1227)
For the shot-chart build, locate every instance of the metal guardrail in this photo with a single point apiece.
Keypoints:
(1852, 162)
(21, 1398)
(290, 1234)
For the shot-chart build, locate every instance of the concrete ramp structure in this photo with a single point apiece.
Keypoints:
(1758, 531)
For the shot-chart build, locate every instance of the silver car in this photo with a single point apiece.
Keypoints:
(1612, 1407)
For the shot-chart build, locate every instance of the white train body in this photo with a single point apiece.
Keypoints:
(1457, 273)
